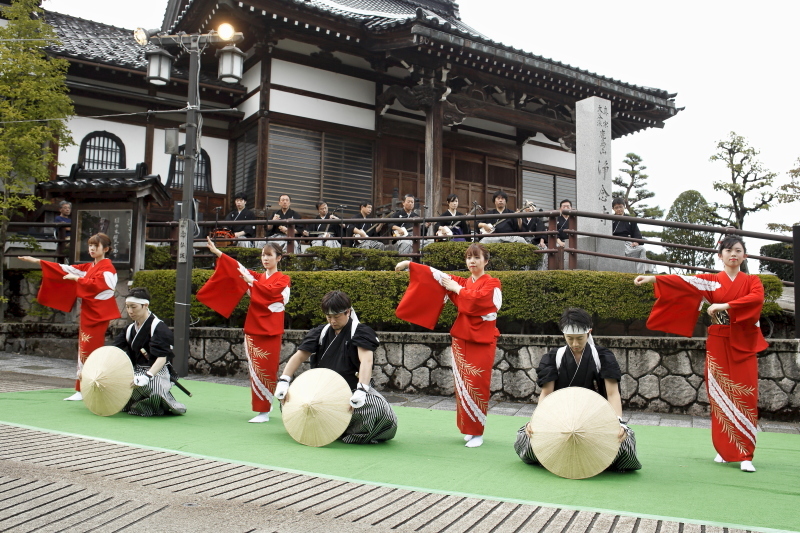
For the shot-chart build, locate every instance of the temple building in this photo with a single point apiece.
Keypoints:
(344, 100)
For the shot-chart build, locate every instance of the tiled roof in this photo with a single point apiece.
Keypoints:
(107, 45)
(113, 183)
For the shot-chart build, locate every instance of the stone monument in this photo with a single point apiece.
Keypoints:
(593, 168)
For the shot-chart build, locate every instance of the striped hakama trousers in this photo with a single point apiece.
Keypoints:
(625, 460)
(155, 398)
(371, 423)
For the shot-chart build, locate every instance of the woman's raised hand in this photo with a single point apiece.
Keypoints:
(212, 247)
(402, 265)
(643, 280)
(29, 259)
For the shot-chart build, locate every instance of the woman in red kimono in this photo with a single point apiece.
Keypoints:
(263, 326)
(94, 283)
(734, 339)
(474, 333)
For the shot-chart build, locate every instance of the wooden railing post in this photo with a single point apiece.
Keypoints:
(290, 232)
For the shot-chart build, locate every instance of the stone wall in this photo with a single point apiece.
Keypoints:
(660, 374)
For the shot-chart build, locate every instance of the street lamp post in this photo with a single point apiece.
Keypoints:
(194, 46)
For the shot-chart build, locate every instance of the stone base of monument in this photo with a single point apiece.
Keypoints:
(604, 246)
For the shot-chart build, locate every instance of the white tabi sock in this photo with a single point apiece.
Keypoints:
(475, 441)
(75, 397)
(260, 417)
(467, 438)
(719, 459)
(747, 466)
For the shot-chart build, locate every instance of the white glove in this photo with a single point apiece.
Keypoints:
(141, 381)
(283, 387)
(359, 396)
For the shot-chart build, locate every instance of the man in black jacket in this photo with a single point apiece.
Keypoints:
(240, 215)
(500, 225)
(278, 230)
(623, 228)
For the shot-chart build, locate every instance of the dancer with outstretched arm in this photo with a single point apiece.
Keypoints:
(478, 298)
(734, 339)
(263, 327)
(94, 283)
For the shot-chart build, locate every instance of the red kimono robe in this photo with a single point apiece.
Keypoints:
(474, 335)
(263, 326)
(731, 363)
(95, 287)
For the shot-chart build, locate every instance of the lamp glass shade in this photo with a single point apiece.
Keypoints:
(231, 64)
(159, 66)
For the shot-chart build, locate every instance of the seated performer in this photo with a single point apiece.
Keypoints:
(279, 231)
(454, 228)
(581, 364)
(359, 229)
(500, 225)
(240, 215)
(346, 346)
(405, 246)
(621, 228)
(327, 228)
(148, 343)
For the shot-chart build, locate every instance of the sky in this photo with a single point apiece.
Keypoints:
(730, 62)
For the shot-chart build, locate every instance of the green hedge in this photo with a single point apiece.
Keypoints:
(510, 256)
(531, 297)
(779, 250)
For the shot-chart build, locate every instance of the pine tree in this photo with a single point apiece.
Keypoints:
(690, 207)
(746, 175)
(34, 104)
(633, 191)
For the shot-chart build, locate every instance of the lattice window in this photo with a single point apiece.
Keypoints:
(101, 150)
(202, 172)
(245, 159)
(547, 190)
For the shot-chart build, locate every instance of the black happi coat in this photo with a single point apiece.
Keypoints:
(587, 376)
(241, 216)
(334, 225)
(623, 228)
(290, 213)
(340, 352)
(157, 342)
(401, 213)
(503, 225)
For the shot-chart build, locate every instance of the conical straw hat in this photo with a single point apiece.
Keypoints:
(106, 380)
(317, 407)
(575, 433)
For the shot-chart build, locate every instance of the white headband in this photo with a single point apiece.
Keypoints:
(135, 300)
(570, 329)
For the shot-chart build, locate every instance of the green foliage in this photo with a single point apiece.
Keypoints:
(503, 256)
(779, 250)
(346, 258)
(746, 175)
(157, 258)
(531, 297)
(34, 102)
(633, 191)
(690, 207)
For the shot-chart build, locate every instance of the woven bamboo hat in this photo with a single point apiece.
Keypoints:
(106, 380)
(575, 433)
(317, 407)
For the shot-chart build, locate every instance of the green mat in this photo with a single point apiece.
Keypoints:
(679, 480)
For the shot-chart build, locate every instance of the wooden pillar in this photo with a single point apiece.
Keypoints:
(261, 189)
(433, 158)
(149, 139)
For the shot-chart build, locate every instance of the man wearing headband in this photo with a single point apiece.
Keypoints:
(581, 364)
(148, 343)
(346, 346)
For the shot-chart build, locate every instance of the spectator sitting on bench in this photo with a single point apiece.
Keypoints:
(622, 228)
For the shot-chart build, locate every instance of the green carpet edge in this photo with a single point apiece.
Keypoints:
(404, 487)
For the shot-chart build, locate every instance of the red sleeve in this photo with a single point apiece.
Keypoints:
(271, 290)
(745, 313)
(56, 292)
(224, 288)
(101, 278)
(424, 298)
(479, 300)
(677, 305)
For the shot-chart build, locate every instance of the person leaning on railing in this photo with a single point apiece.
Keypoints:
(623, 228)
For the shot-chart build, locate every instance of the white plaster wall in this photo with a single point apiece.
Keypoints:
(322, 81)
(132, 137)
(304, 106)
(546, 156)
(252, 78)
(250, 106)
(217, 150)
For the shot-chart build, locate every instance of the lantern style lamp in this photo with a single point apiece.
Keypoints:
(159, 66)
(231, 64)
